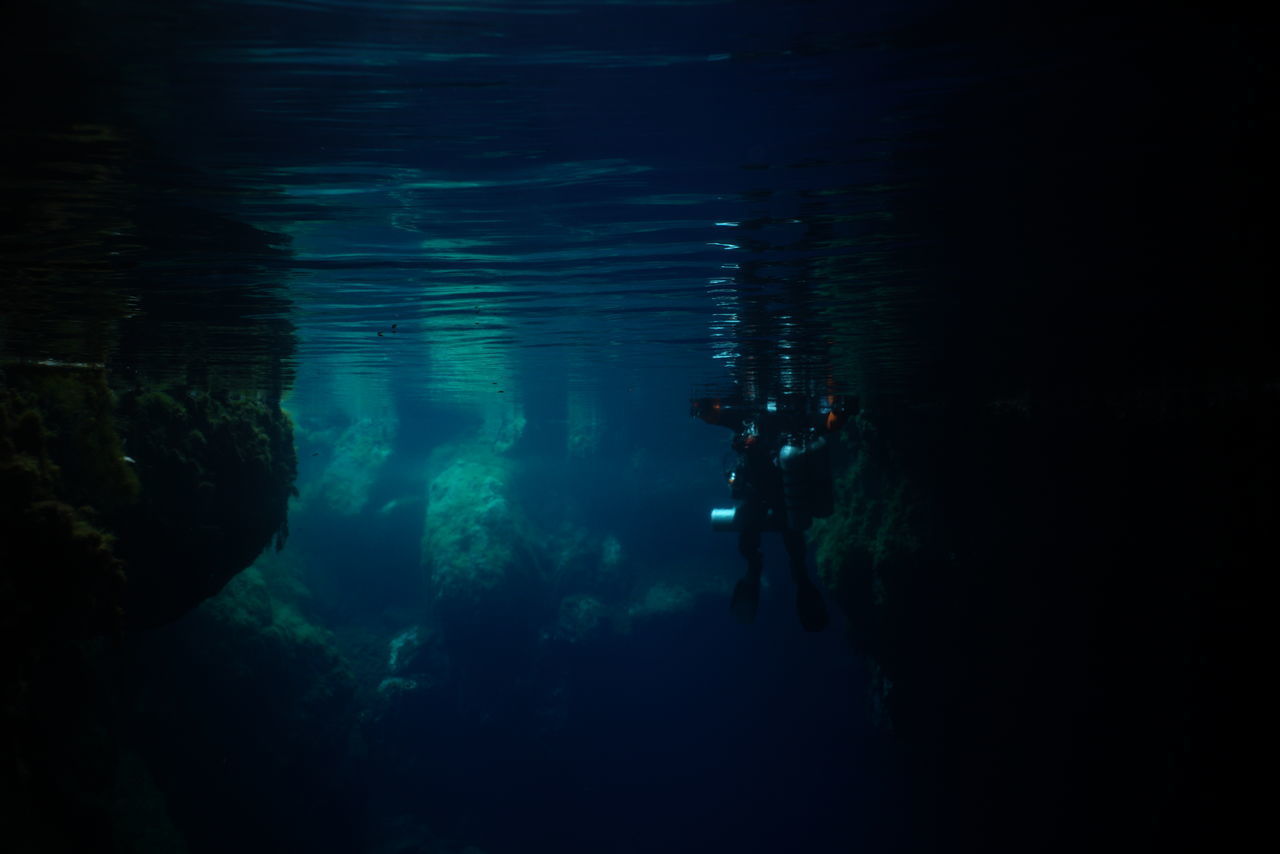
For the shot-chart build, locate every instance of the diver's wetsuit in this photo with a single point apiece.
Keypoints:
(759, 489)
(758, 486)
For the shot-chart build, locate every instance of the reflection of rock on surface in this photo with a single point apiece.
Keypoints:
(476, 545)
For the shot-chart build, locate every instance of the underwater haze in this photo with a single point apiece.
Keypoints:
(353, 495)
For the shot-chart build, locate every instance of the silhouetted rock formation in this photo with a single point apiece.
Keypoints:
(95, 543)
(216, 476)
(1054, 594)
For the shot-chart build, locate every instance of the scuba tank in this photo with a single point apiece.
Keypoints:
(806, 480)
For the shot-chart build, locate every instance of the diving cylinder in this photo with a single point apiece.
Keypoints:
(806, 482)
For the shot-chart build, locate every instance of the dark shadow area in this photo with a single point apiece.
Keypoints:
(680, 736)
(1055, 539)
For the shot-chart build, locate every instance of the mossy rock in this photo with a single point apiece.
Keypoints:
(274, 705)
(216, 474)
(60, 586)
(478, 548)
(59, 454)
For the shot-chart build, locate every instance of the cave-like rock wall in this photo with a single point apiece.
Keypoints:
(216, 472)
(1055, 595)
(118, 511)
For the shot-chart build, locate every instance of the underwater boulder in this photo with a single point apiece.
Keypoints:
(61, 466)
(354, 464)
(477, 547)
(245, 713)
(1048, 590)
(216, 474)
(415, 658)
(582, 618)
(661, 599)
(61, 584)
(881, 535)
(579, 558)
(414, 688)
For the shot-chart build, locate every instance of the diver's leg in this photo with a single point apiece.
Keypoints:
(794, 543)
(809, 605)
(746, 594)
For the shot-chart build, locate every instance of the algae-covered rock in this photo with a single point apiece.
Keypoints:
(655, 601)
(581, 619)
(142, 822)
(1042, 586)
(60, 580)
(60, 586)
(216, 474)
(662, 598)
(578, 558)
(187, 488)
(245, 714)
(477, 546)
(503, 425)
(60, 463)
(871, 543)
(354, 463)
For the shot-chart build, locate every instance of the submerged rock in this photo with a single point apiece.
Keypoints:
(61, 585)
(581, 619)
(245, 715)
(353, 466)
(403, 648)
(216, 475)
(477, 547)
(662, 598)
(94, 540)
(1049, 590)
(611, 555)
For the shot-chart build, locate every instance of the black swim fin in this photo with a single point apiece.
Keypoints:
(810, 607)
(746, 598)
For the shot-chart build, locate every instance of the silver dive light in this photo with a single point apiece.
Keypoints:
(724, 518)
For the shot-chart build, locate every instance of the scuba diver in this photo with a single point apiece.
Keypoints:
(773, 337)
(780, 481)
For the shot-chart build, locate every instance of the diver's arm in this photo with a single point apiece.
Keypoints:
(715, 412)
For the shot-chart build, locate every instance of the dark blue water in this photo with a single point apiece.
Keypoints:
(484, 253)
(532, 226)
(682, 731)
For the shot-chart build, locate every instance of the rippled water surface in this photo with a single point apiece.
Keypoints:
(881, 198)
(490, 245)
(470, 192)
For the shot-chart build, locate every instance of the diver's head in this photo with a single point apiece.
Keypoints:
(709, 409)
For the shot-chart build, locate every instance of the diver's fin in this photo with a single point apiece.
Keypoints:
(746, 596)
(810, 607)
